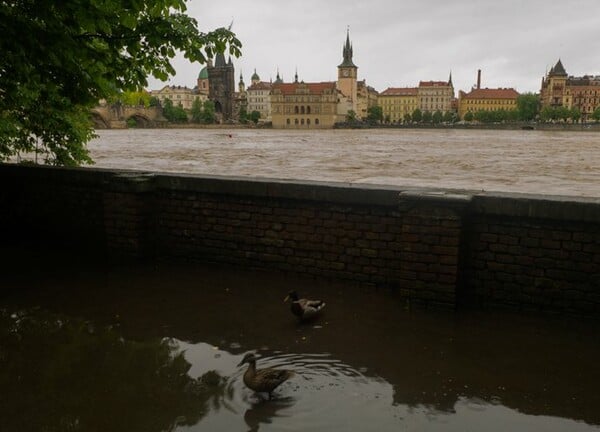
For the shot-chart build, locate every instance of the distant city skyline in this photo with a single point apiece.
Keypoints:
(513, 42)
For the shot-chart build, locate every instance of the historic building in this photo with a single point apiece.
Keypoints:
(347, 82)
(300, 105)
(221, 87)
(485, 99)
(203, 79)
(259, 97)
(179, 95)
(561, 90)
(436, 95)
(396, 103)
(367, 97)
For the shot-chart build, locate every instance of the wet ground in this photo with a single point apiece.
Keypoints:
(547, 162)
(93, 347)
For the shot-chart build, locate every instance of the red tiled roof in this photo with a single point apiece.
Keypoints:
(486, 93)
(399, 91)
(260, 86)
(313, 88)
(433, 83)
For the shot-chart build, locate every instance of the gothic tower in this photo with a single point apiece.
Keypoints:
(221, 81)
(347, 74)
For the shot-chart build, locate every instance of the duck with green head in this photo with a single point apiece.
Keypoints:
(304, 309)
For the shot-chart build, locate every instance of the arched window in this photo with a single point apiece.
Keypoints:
(316, 121)
(288, 121)
(295, 121)
(308, 121)
(308, 110)
(302, 121)
(295, 110)
(302, 109)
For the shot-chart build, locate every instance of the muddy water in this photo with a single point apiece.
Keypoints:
(559, 163)
(92, 347)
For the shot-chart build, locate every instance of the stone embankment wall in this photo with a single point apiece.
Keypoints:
(435, 247)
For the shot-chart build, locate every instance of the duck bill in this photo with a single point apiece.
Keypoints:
(287, 297)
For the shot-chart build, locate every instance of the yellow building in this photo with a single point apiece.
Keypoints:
(367, 97)
(561, 90)
(396, 102)
(302, 105)
(485, 99)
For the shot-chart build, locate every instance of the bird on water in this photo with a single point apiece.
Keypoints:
(302, 308)
(263, 380)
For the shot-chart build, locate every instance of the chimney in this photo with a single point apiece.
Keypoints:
(478, 79)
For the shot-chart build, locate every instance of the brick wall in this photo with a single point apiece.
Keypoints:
(435, 247)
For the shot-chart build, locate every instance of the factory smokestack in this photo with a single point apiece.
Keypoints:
(478, 79)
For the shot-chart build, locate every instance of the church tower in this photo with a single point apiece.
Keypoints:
(221, 82)
(347, 74)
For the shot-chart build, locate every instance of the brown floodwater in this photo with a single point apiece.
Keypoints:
(547, 162)
(86, 346)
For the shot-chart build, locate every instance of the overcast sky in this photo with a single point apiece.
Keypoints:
(397, 43)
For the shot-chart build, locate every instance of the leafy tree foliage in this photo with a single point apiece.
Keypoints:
(196, 110)
(560, 114)
(417, 115)
(427, 117)
(449, 117)
(407, 118)
(437, 116)
(255, 116)
(469, 116)
(135, 98)
(60, 58)
(208, 112)
(351, 116)
(596, 114)
(375, 114)
(243, 115)
(174, 114)
(528, 106)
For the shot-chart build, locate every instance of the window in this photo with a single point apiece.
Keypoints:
(287, 121)
(296, 110)
(316, 121)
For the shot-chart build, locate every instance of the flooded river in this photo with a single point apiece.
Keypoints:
(90, 347)
(548, 162)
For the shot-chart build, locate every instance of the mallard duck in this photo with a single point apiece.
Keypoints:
(303, 308)
(263, 380)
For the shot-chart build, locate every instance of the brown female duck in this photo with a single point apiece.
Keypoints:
(263, 380)
(303, 308)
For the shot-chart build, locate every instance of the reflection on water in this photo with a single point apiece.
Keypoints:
(559, 163)
(90, 347)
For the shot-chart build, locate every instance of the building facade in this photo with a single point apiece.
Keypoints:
(302, 105)
(259, 97)
(485, 99)
(397, 102)
(561, 90)
(436, 95)
(179, 95)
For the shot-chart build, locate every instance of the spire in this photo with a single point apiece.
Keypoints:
(220, 60)
(296, 75)
(450, 79)
(347, 52)
(559, 69)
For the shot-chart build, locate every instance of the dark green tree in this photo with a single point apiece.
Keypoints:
(59, 59)
(417, 115)
(437, 116)
(351, 116)
(375, 114)
(469, 116)
(243, 115)
(528, 106)
(407, 118)
(575, 114)
(208, 112)
(427, 117)
(596, 114)
(255, 116)
(196, 110)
